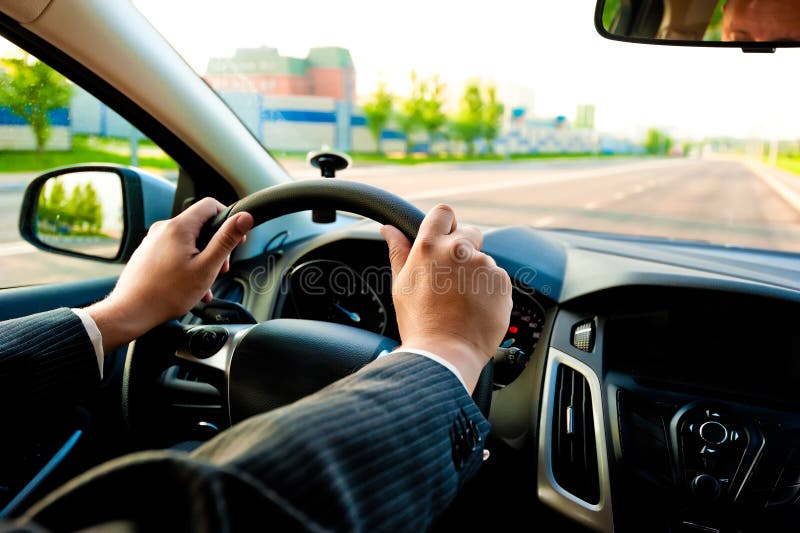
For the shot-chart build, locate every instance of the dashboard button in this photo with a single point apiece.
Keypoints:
(705, 488)
(713, 432)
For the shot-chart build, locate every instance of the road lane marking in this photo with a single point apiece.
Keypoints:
(553, 177)
(789, 195)
(15, 248)
(590, 205)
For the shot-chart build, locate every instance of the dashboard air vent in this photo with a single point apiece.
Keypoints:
(583, 336)
(574, 449)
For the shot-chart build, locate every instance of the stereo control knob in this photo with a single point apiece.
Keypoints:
(713, 432)
(705, 488)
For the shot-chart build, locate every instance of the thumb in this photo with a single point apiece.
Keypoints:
(399, 247)
(226, 239)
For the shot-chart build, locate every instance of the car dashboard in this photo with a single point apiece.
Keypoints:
(653, 383)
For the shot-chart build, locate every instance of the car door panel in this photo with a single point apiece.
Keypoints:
(25, 301)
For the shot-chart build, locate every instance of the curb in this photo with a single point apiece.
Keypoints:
(789, 195)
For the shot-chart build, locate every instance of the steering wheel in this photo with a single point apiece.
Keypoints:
(267, 365)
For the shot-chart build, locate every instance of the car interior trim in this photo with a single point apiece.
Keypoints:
(598, 516)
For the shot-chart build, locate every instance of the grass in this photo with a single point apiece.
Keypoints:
(417, 159)
(790, 163)
(85, 149)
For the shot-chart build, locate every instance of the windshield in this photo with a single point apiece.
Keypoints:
(514, 113)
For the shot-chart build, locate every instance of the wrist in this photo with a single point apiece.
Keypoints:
(118, 323)
(464, 355)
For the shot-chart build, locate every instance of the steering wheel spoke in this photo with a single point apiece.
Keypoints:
(212, 346)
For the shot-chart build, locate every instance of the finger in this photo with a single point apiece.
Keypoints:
(207, 297)
(441, 220)
(225, 240)
(399, 247)
(226, 265)
(470, 233)
(200, 212)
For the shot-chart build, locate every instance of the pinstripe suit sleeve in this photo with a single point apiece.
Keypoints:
(372, 452)
(45, 357)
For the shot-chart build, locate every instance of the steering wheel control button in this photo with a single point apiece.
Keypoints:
(206, 341)
(705, 488)
(713, 432)
(709, 452)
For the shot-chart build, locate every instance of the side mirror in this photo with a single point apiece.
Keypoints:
(99, 212)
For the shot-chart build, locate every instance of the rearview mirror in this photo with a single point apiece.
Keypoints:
(99, 212)
(753, 25)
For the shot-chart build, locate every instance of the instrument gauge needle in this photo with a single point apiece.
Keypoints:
(355, 317)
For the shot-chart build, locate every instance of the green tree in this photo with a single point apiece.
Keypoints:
(610, 14)
(58, 195)
(91, 208)
(72, 213)
(409, 119)
(657, 142)
(31, 89)
(467, 124)
(492, 117)
(432, 114)
(378, 111)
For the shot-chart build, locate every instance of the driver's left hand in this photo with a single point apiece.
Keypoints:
(167, 275)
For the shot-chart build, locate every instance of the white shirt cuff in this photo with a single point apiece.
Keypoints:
(432, 356)
(94, 335)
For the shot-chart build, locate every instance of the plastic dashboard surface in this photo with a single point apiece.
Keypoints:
(681, 334)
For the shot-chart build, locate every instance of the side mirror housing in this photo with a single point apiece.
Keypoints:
(94, 211)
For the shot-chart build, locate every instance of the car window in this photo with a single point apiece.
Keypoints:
(512, 112)
(46, 121)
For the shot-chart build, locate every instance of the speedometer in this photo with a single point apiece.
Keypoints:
(331, 291)
(526, 324)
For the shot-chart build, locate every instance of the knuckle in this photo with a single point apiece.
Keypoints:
(426, 243)
(155, 227)
(228, 241)
(461, 250)
(394, 255)
(486, 260)
(471, 229)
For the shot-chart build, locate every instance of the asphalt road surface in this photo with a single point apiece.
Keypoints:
(720, 201)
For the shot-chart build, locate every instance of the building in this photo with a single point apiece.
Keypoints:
(327, 72)
(584, 117)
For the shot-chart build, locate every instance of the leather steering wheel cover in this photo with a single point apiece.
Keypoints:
(323, 193)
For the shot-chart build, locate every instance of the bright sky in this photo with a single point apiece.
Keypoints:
(549, 46)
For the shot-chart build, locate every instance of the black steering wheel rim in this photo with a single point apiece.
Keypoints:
(267, 204)
(322, 193)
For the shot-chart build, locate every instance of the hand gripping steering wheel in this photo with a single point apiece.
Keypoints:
(267, 365)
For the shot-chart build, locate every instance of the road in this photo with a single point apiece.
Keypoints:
(721, 201)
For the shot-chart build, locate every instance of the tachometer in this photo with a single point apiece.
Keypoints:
(332, 291)
(526, 324)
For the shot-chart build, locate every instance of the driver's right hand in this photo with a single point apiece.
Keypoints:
(451, 298)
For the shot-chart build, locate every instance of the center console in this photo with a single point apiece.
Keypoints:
(701, 411)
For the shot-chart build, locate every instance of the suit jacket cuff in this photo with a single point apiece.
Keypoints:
(94, 335)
